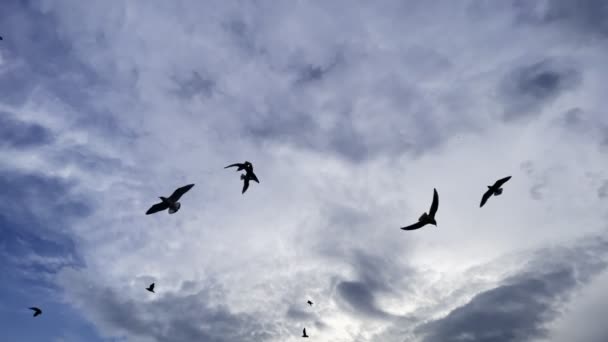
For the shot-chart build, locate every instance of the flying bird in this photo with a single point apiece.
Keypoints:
(150, 288)
(493, 190)
(248, 176)
(310, 303)
(171, 202)
(37, 311)
(426, 218)
(304, 333)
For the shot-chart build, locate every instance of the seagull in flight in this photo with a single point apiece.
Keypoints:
(304, 333)
(150, 288)
(37, 311)
(493, 190)
(249, 175)
(426, 218)
(310, 303)
(170, 202)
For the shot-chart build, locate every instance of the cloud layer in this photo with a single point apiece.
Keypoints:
(351, 113)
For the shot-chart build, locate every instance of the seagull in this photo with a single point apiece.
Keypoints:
(304, 333)
(495, 190)
(426, 218)
(309, 303)
(150, 288)
(37, 311)
(170, 203)
(248, 176)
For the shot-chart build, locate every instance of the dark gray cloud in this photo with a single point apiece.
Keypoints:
(602, 191)
(193, 85)
(526, 89)
(520, 308)
(19, 134)
(587, 17)
(173, 317)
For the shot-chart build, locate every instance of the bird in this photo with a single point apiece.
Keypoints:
(249, 175)
(171, 202)
(150, 288)
(304, 333)
(495, 190)
(426, 218)
(310, 303)
(37, 311)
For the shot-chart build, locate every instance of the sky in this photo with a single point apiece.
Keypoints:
(351, 112)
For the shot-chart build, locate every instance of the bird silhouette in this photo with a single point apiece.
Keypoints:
(310, 303)
(304, 333)
(248, 176)
(493, 190)
(170, 202)
(37, 311)
(426, 218)
(150, 288)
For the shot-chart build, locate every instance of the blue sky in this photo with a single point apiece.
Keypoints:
(351, 112)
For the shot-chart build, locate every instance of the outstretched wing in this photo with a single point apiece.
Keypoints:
(157, 207)
(239, 165)
(414, 226)
(179, 192)
(485, 197)
(152, 286)
(245, 184)
(253, 177)
(501, 181)
(435, 204)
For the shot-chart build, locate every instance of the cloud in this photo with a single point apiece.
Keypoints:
(520, 308)
(585, 17)
(18, 134)
(528, 88)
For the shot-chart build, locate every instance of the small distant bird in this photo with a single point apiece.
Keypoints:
(150, 288)
(304, 333)
(171, 202)
(248, 176)
(495, 190)
(310, 303)
(427, 218)
(37, 311)
(0, 37)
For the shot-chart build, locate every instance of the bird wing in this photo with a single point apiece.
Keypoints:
(180, 191)
(245, 184)
(485, 197)
(234, 165)
(501, 181)
(435, 204)
(414, 226)
(152, 286)
(304, 332)
(253, 177)
(157, 207)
